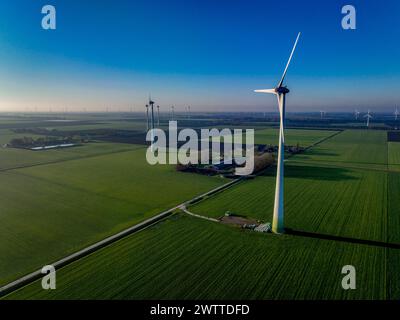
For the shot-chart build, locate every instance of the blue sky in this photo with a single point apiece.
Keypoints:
(208, 54)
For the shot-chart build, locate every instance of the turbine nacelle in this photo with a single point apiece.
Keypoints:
(277, 90)
(282, 90)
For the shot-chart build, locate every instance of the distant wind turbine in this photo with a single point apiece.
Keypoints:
(280, 91)
(151, 103)
(322, 114)
(356, 114)
(188, 112)
(396, 114)
(147, 117)
(368, 116)
(158, 115)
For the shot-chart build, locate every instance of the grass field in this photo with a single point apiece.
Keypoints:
(340, 188)
(335, 201)
(120, 125)
(293, 137)
(15, 158)
(190, 258)
(352, 148)
(11, 158)
(49, 211)
(394, 156)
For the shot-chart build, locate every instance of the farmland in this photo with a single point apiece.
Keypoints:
(293, 137)
(196, 259)
(394, 156)
(82, 201)
(17, 158)
(352, 148)
(304, 138)
(318, 200)
(340, 188)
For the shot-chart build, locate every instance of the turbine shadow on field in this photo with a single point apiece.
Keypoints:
(341, 239)
(315, 173)
(319, 152)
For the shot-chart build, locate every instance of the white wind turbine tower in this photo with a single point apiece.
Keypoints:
(280, 91)
(158, 115)
(322, 114)
(368, 116)
(396, 114)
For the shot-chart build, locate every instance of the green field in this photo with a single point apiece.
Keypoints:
(304, 138)
(49, 211)
(335, 201)
(120, 125)
(340, 188)
(394, 156)
(352, 148)
(293, 137)
(12, 158)
(191, 258)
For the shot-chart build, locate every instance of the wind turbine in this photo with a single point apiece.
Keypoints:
(151, 103)
(188, 112)
(368, 116)
(356, 114)
(280, 91)
(147, 117)
(158, 115)
(396, 114)
(322, 113)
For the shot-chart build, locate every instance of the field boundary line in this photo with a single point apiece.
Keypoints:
(326, 164)
(36, 275)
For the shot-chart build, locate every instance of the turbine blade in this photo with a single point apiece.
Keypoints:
(266, 91)
(281, 131)
(290, 58)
